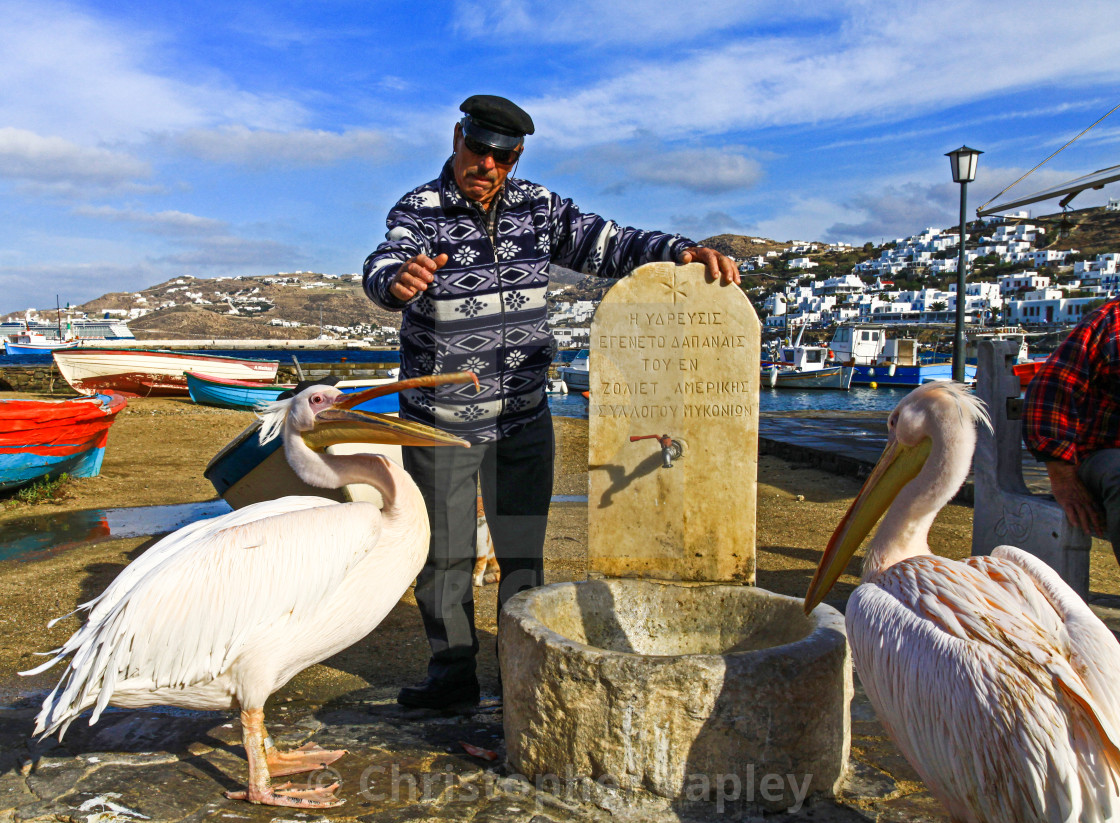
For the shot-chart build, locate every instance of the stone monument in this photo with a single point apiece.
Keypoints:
(673, 354)
(668, 672)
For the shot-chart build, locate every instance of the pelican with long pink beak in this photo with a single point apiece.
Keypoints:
(992, 676)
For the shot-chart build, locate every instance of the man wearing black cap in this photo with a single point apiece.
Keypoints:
(466, 258)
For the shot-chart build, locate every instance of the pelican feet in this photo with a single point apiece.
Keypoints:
(307, 758)
(284, 795)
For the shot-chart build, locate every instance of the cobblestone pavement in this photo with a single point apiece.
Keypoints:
(403, 765)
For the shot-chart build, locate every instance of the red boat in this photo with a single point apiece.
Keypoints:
(1026, 371)
(48, 437)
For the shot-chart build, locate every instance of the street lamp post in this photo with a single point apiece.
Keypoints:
(963, 162)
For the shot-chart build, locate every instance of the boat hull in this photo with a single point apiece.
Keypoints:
(152, 373)
(44, 438)
(244, 394)
(11, 348)
(831, 377)
(577, 380)
(908, 376)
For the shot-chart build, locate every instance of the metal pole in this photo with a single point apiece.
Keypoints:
(958, 341)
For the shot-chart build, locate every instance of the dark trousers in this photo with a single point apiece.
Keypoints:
(1100, 472)
(515, 474)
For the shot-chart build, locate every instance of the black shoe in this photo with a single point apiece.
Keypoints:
(440, 694)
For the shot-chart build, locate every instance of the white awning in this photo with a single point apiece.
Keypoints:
(1096, 180)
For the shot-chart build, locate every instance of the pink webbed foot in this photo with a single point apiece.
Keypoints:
(307, 758)
(284, 795)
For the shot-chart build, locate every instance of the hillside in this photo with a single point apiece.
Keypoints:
(305, 298)
(303, 305)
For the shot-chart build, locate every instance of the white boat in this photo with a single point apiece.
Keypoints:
(576, 375)
(151, 372)
(33, 342)
(800, 366)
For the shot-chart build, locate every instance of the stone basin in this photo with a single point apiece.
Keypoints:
(671, 688)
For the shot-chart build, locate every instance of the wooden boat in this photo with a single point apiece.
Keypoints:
(577, 375)
(246, 472)
(152, 372)
(800, 366)
(40, 438)
(778, 376)
(208, 390)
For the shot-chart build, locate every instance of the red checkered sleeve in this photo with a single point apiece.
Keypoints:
(1071, 404)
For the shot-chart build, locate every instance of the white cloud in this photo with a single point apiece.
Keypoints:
(710, 170)
(25, 155)
(621, 21)
(69, 72)
(301, 147)
(699, 227)
(886, 60)
(167, 223)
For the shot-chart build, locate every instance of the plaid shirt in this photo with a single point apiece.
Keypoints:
(486, 311)
(1073, 403)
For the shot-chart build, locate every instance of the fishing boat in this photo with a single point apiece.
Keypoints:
(577, 375)
(208, 390)
(41, 438)
(244, 471)
(887, 362)
(797, 366)
(30, 342)
(152, 372)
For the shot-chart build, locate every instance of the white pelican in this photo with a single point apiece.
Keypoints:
(224, 612)
(995, 680)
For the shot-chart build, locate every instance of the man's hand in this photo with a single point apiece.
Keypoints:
(414, 275)
(720, 266)
(1075, 500)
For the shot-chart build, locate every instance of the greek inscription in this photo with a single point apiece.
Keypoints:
(640, 388)
(682, 318)
(634, 412)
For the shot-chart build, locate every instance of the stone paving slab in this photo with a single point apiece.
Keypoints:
(402, 765)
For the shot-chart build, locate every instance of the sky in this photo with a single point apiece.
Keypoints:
(143, 141)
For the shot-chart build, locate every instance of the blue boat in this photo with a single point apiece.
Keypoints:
(887, 374)
(893, 362)
(208, 390)
(245, 471)
(45, 438)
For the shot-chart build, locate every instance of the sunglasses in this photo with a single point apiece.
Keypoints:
(507, 157)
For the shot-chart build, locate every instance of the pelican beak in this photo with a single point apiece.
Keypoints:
(897, 466)
(342, 423)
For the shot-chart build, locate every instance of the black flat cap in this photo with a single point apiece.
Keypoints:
(495, 120)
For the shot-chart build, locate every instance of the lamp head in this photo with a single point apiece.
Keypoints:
(963, 163)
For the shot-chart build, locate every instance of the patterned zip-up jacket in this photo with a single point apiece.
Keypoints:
(486, 312)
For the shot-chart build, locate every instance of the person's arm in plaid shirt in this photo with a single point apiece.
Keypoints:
(1055, 402)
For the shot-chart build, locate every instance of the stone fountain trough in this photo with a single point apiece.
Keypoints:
(669, 687)
(669, 672)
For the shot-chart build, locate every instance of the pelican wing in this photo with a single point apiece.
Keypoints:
(184, 539)
(184, 616)
(969, 667)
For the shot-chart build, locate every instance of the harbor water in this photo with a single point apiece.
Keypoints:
(859, 398)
